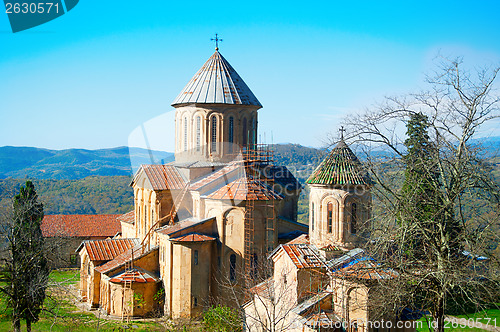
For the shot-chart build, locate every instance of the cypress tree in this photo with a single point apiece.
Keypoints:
(27, 270)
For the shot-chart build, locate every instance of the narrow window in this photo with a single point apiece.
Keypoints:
(232, 267)
(329, 215)
(254, 265)
(218, 262)
(185, 133)
(254, 131)
(354, 217)
(195, 302)
(195, 259)
(312, 216)
(198, 133)
(231, 134)
(245, 137)
(214, 134)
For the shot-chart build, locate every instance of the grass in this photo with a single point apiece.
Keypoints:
(61, 314)
(487, 317)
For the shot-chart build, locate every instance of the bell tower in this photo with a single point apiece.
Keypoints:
(216, 114)
(339, 200)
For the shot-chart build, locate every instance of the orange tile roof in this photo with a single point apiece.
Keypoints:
(128, 217)
(193, 237)
(245, 189)
(135, 275)
(302, 239)
(80, 225)
(163, 177)
(124, 257)
(105, 250)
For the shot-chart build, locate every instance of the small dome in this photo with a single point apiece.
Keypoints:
(216, 83)
(340, 167)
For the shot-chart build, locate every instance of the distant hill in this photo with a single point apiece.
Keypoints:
(22, 162)
(74, 164)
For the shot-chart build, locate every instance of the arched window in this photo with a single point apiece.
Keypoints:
(232, 267)
(198, 133)
(312, 216)
(231, 134)
(354, 217)
(245, 134)
(214, 134)
(185, 133)
(329, 216)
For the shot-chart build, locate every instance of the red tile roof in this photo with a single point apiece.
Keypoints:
(125, 257)
(163, 177)
(80, 225)
(193, 237)
(304, 256)
(105, 250)
(135, 275)
(245, 189)
(128, 217)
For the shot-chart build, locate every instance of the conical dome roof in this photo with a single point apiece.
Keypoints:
(217, 83)
(340, 167)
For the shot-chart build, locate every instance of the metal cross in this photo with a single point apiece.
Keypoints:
(216, 40)
(342, 133)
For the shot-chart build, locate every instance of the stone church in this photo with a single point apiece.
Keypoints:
(211, 215)
(222, 210)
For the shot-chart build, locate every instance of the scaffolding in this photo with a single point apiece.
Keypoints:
(258, 163)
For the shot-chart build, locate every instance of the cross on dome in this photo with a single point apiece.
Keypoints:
(216, 40)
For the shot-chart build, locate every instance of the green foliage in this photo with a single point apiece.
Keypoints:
(421, 184)
(222, 319)
(91, 195)
(26, 271)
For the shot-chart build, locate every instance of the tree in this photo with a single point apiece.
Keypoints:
(26, 269)
(437, 185)
(222, 319)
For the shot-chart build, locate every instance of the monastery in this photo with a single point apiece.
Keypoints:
(204, 226)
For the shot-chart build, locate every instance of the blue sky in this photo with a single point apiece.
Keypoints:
(90, 77)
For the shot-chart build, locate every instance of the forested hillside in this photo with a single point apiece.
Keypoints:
(78, 181)
(98, 193)
(91, 195)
